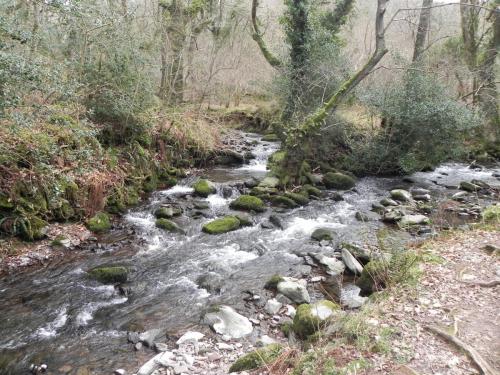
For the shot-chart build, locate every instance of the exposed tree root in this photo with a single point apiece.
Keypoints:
(479, 361)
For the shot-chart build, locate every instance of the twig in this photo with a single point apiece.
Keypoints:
(484, 284)
(479, 361)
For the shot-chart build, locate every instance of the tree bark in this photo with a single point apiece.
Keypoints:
(487, 94)
(423, 29)
(257, 36)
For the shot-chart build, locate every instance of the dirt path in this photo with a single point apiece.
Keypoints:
(445, 299)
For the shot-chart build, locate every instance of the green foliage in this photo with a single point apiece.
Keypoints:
(491, 214)
(222, 225)
(423, 126)
(257, 358)
(99, 223)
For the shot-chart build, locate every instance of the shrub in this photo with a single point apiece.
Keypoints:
(422, 126)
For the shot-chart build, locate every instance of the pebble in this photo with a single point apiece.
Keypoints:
(120, 371)
(224, 346)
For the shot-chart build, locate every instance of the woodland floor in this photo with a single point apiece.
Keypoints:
(444, 299)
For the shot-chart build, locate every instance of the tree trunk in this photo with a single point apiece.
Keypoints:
(315, 121)
(423, 29)
(469, 16)
(487, 94)
(298, 37)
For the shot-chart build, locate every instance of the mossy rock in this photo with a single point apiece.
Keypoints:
(248, 203)
(260, 191)
(310, 318)
(99, 223)
(6, 203)
(311, 191)
(200, 205)
(257, 358)
(109, 275)
(269, 182)
(167, 212)
(222, 225)
(338, 181)
(373, 276)
(272, 283)
(131, 196)
(282, 201)
(63, 210)
(204, 188)
(322, 234)
(168, 225)
(300, 199)
(271, 137)
(32, 228)
(245, 220)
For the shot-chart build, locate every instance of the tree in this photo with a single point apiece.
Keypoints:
(423, 29)
(480, 57)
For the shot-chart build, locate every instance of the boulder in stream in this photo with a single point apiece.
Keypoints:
(226, 321)
(339, 181)
(168, 225)
(351, 263)
(204, 188)
(410, 220)
(334, 267)
(248, 203)
(322, 234)
(469, 186)
(294, 289)
(269, 182)
(222, 225)
(167, 212)
(109, 275)
(401, 195)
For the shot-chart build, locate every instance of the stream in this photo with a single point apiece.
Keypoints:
(58, 316)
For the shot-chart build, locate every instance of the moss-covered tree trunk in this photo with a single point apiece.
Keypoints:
(298, 35)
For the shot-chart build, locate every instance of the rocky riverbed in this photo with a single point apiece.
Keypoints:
(192, 302)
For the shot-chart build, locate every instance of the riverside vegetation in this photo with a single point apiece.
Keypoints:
(145, 107)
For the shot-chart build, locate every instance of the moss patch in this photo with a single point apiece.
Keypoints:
(99, 223)
(300, 199)
(282, 201)
(338, 181)
(248, 203)
(322, 234)
(257, 358)
(167, 212)
(109, 275)
(306, 322)
(204, 188)
(311, 191)
(32, 228)
(272, 283)
(168, 225)
(222, 225)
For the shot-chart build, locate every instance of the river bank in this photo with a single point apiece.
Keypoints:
(176, 279)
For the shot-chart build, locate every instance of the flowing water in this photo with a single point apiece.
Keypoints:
(58, 316)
